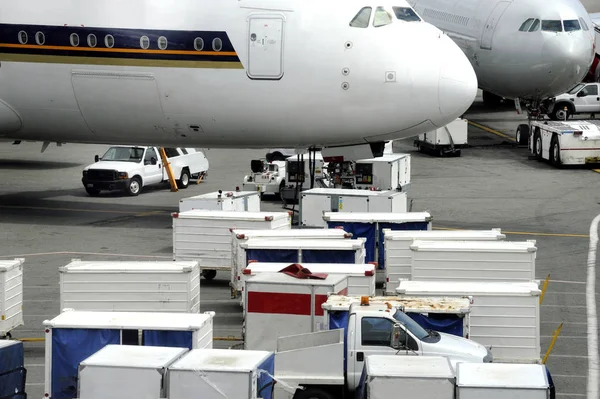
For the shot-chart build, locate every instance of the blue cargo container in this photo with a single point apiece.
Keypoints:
(12, 370)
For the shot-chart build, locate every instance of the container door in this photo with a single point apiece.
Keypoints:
(490, 25)
(312, 208)
(265, 52)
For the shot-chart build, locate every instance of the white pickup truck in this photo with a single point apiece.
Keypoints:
(130, 168)
(581, 99)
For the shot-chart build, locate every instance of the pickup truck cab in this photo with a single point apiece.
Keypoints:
(129, 168)
(581, 99)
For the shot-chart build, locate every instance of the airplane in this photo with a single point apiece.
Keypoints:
(594, 72)
(528, 50)
(227, 74)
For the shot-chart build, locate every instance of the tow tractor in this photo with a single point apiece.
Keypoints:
(266, 177)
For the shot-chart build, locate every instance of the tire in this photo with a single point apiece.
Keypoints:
(312, 393)
(559, 113)
(537, 145)
(92, 191)
(555, 152)
(522, 134)
(134, 187)
(184, 180)
(280, 191)
(209, 274)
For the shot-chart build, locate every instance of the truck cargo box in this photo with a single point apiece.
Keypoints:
(361, 276)
(205, 236)
(239, 201)
(278, 304)
(423, 377)
(74, 335)
(371, 226)
(314, 203)
(222, 373)
(238, 236)
(11, 295)
(398, 255)
(493, 261)
(503, 315)
(126, 371)
(500, 381)
(303, 250)
(130, 286)
(12, 370)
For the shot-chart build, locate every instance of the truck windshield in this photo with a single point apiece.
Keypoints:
(124, 154)
(412, 326)
(576, 88)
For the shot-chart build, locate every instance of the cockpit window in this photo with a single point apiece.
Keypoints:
(535, 26)
(361, 20)
(552, 25)
(584, 25)
(526, 25)
(382, 17)
(406, 14)
(571, 25)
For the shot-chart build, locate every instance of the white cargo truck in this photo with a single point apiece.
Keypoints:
(447, 140)
(398, 255)
(73, 336)
(500, 381)
(584, 98)
(239, 236)
(388, 172)
(423, 377)
(11, 295)
(565, 143)
(493, 261)
(314, 203)
(505, 316)
(222, 201)
(361, 276)
(205, 236)
(222, 373)
(130, 286)
(126, 371)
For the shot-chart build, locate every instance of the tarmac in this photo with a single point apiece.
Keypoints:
(47, 218)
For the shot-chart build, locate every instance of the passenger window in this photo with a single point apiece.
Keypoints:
(406, 14)
(171, 152)
(590, 90)
(535, 26)
(382, 17)
(377, 331)
(184, 151)
(150, 153)
(361, 20)
(552, 26)
(526, 25)
(571, 25)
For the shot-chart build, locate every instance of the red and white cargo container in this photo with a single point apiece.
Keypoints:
(279, 305)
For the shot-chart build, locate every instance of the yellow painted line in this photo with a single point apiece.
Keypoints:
(31, 339)
(596, 170)
(528, 233)
(490, 130)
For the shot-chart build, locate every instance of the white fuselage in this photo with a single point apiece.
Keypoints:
(512, 63)
(280, 73)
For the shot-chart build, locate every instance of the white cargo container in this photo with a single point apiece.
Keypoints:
(75, 335)
(494, 261)
(205, 236)
(222, 373)
(302, 250)
(130, 286)
(314, 203)
(361, 276)
(398, 255)
(423, 377)
(503, 315)
(286, 305)
(126, 371)
(387, 172)
(500, 381)
(11, 295)
(240, 201)
(239, 236)
(448, 139)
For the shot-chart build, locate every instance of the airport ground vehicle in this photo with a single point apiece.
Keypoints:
(266, 177)
(130, 168)
(447, 140)
(302, 172)
(581, 99)
(565, 143)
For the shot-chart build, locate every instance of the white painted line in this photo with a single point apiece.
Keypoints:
(570, 395)
(565, 336)
(569, 376)
(557, 306)
(592, 327)
(564, 323)
(570, 356)
(566, 282)
(35, 365)
(35, 384)
(85, 253)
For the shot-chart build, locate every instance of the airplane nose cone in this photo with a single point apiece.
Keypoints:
(457, 86)
(569, 58)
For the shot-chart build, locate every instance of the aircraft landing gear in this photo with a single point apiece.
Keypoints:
(535, 111)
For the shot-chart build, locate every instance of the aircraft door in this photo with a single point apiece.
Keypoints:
(265, 47)
(490, 25)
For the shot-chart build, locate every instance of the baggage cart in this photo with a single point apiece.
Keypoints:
(11, 295)
(239, 201)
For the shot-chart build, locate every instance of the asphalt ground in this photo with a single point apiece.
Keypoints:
(47, 218)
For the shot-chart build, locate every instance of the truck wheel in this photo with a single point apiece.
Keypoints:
(537, 145)
(209, 274)
(522, 134)
(312, 393)
(555, 151)
(280, 191)
(135, 186)
(559, 113)
(92, 191)
(184, 180)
